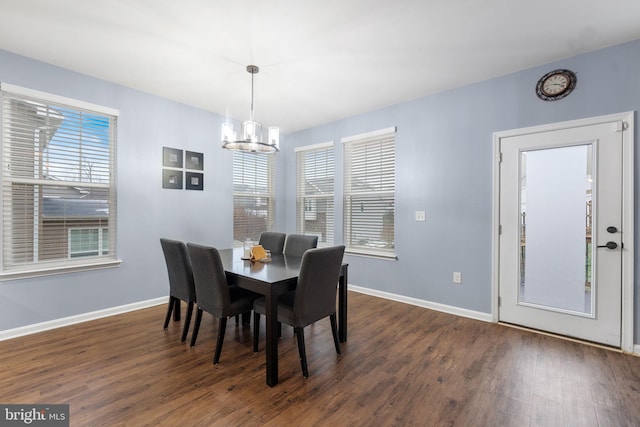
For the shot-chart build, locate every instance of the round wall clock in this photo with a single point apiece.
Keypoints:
(556, 85)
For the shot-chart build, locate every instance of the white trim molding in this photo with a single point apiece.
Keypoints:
(80, 318)
(318, 146)
(471, 314)
(19, 90)
(367, 135)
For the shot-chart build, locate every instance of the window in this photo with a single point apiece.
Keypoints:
(314, 195)
(369, 193)
(58, 184)
(253, 195)
(88, 242)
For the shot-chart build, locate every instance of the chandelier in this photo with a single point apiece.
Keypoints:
(251, 138)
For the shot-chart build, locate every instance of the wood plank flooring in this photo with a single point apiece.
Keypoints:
(402, 366)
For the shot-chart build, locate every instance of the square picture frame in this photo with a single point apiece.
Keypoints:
(172, 179)
(172, 157)
(194, 181)
(194, 160)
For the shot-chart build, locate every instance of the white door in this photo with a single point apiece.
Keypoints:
(562, 237)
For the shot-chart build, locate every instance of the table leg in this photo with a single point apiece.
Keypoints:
(342, 304)
(271, 309)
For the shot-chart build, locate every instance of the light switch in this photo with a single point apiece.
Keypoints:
(421, 216)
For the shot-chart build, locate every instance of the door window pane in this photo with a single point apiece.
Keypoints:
(555, 223)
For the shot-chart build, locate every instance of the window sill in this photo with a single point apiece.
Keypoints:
(98, 265)
(378, 255)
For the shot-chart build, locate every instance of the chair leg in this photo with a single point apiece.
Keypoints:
(176, 309)
(334, 331)
(222, 326)
(256, 330)
(246, 318)
(169, 310)
(303, 355)
(237, 319)
(196, 327)
(187, 321)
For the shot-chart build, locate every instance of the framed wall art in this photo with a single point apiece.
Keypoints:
(194, 161)
(172, 178)
(171, 157)
(194, 181)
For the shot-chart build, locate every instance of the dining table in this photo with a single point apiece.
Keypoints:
(272, 279)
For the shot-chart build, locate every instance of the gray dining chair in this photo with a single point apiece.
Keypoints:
(214, 294)
(181, 285)
(297, 244)
(313, 299)
(273, 241)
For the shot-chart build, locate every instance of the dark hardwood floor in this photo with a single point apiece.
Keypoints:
(402, 366)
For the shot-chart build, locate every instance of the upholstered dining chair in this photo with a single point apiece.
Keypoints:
(313, 299)
(297, 244)
(181, 286)
(273, 241)
(214, 294)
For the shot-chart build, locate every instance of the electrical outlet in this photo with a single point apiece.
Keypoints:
(457, 277)
(421, 216)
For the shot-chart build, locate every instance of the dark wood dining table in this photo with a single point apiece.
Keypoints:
(271, 280)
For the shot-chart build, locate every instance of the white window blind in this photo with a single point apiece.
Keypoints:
(253, 195)
(314, 192)
(58, 164)
(369, 193)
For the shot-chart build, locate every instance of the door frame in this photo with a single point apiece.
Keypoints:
(628, 172)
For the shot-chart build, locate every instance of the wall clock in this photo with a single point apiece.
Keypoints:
(556, 84)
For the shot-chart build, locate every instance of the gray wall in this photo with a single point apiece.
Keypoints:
(444, 151)
(444, 161)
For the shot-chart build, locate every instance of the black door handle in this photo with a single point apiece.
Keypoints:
(609, 245)
(612, 229)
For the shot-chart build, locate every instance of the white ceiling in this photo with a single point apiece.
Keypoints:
(320, 60)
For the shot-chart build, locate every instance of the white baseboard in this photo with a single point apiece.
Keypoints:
(84, 317)
(636, 350)
(477, 315)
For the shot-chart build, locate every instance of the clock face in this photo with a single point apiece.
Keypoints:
(556, 85)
